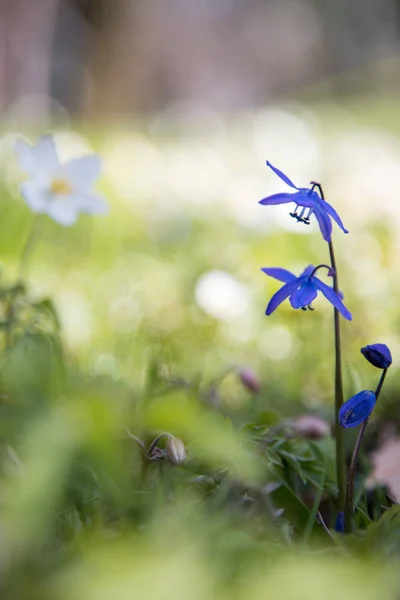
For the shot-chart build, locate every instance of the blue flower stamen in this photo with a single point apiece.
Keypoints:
(308, 307)
(295, 215)
(303, 210)
(306, 220)
(299, 217)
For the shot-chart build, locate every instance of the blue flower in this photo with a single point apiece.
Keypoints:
(339, 522)
(306, 198)
(302, 290)
(378, 355)
(357, 409)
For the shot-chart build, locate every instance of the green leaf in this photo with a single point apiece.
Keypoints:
(47, 307)
(273, 457)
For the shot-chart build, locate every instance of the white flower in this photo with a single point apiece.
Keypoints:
(60, 190)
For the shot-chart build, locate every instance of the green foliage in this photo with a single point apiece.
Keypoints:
(91, 509)
(104, 350)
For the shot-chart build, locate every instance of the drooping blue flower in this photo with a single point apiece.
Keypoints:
(309, 199)
(378, 355)
(302, 290)
(357, 409)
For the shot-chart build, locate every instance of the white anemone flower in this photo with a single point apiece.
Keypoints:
(61, 190)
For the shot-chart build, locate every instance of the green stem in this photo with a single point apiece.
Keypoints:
(339, 433)
(9, 318)
(348, 515)
(27, 249)
(315, 508)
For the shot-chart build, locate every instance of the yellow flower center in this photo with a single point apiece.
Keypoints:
(60, 186)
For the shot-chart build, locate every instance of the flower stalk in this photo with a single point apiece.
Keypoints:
(348, 515)
(303, 290)
(28, 247)
(339, 434)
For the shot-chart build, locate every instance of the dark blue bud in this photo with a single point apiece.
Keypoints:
(357, 409)
(339, 523)
(378, 355)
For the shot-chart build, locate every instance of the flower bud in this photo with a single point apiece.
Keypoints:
(249, 380)
(339, 522)
(357, 409)
(310, 426)
(378, 355)
(176, 451)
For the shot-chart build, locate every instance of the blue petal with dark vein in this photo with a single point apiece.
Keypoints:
(357, 409)
(281, 295)
(324, 223)
(279, 274)
(333, 298)
(332, 212)
(378, 355)
(305, 294)
(277, 199)
(282, 175)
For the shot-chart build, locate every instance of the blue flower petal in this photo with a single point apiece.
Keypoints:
(306, 293)
(333, 298)
(332, 212)
(284, 177)
(357, 409)
(281, 295)
(378, 355)
(307, 271)
(277, 199)
(324, 223)
(306, 197)
(339, 522)
(279, 274)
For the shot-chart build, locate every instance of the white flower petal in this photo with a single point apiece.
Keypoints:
(40, 161)
(34, 196)
(91, 204)
(63, 211)
(82, 172)
(25, 156)
(45, 154)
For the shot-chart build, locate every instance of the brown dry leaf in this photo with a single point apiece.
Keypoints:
(386, 467)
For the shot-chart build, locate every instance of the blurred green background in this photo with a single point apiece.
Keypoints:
(156, 307)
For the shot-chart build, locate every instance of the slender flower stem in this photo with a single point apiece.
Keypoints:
(26, 251)
(339, 434)
(137, 440)
(348, 515)
(320, 267)
(9, 314)
(28, 246)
